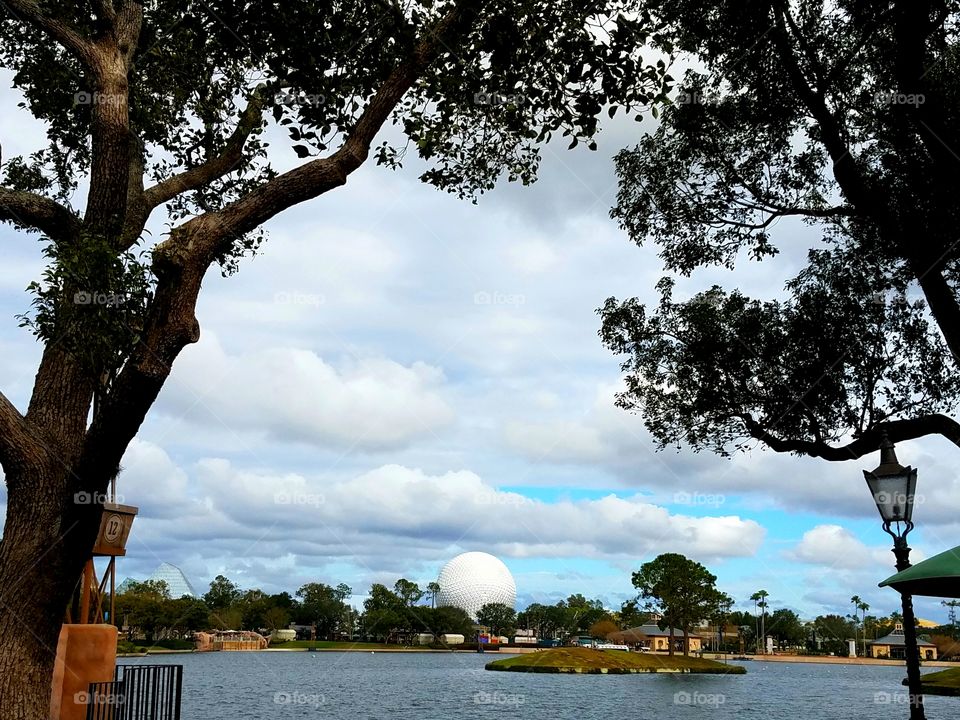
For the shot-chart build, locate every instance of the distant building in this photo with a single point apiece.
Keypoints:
(651, 637)
(473, 579)
(893, 646)
(176, 581)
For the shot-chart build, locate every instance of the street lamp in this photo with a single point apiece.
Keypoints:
(893, 487)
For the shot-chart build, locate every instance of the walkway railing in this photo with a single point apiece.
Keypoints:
(138, 692)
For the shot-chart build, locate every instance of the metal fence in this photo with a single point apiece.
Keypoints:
(138, 692)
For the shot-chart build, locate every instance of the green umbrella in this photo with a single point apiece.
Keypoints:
(938, 576)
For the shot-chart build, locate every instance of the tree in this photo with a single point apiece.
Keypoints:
(860, 606)
(143, 608)
(276, 618)
(383, 613)
(433, 588)
(682, 590)
(834, 631)
(581, 613)
(856, 600)
(452, 620)
(760, 604)
(786, 627)
(252, 606)
(948, 647)
(631, 614)
(952, 606)
(842, 116)
(720, 611)
(500, 618)
(324, 606)
(160, 109)
(222, 593)
(188, 614)
(408, 592)
(603, 628)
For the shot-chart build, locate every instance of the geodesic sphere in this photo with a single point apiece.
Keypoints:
(474, 579)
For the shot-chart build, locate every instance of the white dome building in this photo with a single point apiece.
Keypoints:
(474, 579)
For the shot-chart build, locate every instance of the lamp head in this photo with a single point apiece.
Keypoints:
(893, 487)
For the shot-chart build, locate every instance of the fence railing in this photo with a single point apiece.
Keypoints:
(138, 692)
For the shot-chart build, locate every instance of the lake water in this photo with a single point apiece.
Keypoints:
(429, 686)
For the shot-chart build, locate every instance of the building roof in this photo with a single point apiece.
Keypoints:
(176, 581)
(897, 638)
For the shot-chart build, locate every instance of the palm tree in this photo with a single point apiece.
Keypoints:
(857, 601)
(863, 607)
(953, 605)
(756, 623)
(432, 590)
(760, 601)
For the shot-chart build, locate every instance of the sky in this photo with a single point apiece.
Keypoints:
(401, 376)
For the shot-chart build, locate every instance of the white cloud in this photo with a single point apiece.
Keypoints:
(292, 394)
(833, 546)
(396, 519)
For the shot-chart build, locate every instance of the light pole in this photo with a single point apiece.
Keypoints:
(893, 487)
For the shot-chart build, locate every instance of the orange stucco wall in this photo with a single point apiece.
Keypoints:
(85, 654)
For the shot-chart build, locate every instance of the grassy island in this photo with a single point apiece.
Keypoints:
(587, 660)
(945, 682)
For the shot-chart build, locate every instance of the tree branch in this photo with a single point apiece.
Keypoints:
(215, 167)
(181, 261)
(868, 442)
(104, 10)
(319, 176)
(29, 11)
(15, 435)
(32, 211)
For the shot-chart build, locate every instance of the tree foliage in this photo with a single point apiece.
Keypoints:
(843, 118)
(163, 113)
(683, 592)
(500, 618)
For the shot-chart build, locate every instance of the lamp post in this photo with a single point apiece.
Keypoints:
(893, 487)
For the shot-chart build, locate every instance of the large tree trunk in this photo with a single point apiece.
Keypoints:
(46, 541)
(686, 642)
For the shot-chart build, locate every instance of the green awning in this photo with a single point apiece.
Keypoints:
(938, 576)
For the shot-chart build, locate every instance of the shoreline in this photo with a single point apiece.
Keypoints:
(833, 660)
(719, 657)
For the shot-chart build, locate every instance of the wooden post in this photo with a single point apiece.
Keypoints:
(85, 592)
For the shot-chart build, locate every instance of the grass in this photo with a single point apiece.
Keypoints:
(139, 647)
(334, 645)
(587, 660)
(945, 682)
